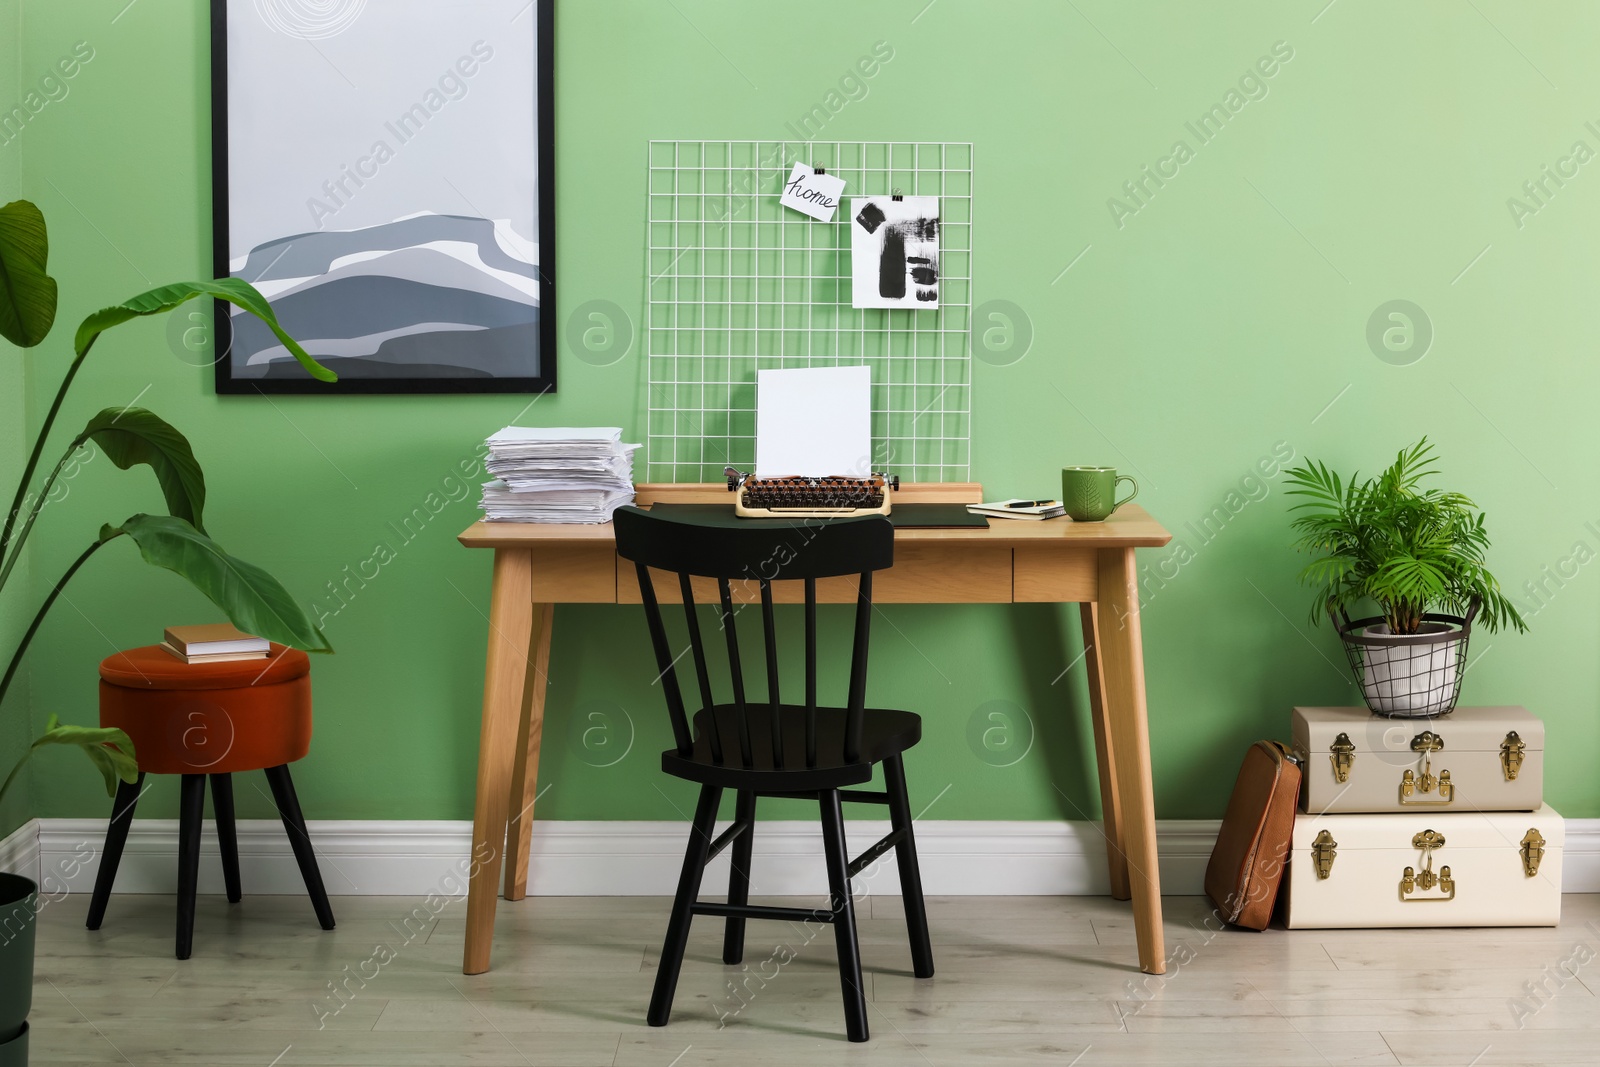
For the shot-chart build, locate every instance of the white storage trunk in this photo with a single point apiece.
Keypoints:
(1474, 759)
(1426, 869)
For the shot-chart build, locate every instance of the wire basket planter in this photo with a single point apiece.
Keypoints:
(1408, 676)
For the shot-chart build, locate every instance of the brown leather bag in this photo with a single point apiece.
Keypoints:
(1252, 849)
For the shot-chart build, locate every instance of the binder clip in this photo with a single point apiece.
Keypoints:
(896, 197)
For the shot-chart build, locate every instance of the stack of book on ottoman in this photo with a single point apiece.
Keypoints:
(218, 642)
(1423, 822)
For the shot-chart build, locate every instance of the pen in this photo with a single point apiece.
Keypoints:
(1031, 503)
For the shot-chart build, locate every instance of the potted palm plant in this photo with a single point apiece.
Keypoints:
(250, 597)
(1418, 554)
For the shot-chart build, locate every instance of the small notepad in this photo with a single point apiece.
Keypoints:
(1002, 509)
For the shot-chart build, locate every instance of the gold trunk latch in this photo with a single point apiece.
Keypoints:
(1323, 850)
(1427, 743)
(1532, 851)
(1411, 880)
(1343, 755)
(1512, 750)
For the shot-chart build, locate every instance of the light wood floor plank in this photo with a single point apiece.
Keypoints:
(1525, 1049)
(1492, 1015)
(1020, 980)
(1425, 981)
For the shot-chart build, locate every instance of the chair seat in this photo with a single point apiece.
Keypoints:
(884, 733)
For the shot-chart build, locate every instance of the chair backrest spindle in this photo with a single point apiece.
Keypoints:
(691, 616)
(667, 673)
(736, 671)
(769, 626)
(811, 672)
(692, 621)
(858, 670)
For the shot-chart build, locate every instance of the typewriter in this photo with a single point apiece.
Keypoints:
(804, 498)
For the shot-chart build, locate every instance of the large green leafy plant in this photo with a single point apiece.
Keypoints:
(250, 597)
(1385, 539)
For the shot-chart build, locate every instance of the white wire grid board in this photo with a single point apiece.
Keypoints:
(738, 283)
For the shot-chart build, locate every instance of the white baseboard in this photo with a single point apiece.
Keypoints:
(593, 858)
(19, 852)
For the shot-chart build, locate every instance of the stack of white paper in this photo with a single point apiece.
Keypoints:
(557, 474)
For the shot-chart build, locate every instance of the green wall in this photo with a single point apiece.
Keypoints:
(13, 443)
(1210, 325)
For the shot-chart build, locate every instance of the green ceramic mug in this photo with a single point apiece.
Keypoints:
(1090, 493)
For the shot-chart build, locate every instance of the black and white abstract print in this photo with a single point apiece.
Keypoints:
(894, 250)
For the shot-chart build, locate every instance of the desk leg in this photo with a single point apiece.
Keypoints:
(510, 626)
(525, 771)
(1110, 800)
(1122, 664)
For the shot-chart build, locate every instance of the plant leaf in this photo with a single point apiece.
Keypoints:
(253, 600)
(133, 435)
(27, 293)
(108, 748)
(235, 291)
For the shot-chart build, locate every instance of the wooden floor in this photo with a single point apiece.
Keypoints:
(1026, 980)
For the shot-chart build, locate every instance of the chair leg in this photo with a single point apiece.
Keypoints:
(694, 866)
(905, 853)
(295, 824)
(844, 917)
(227, 835)
(191, 816)
(739, 877)
(111, 855)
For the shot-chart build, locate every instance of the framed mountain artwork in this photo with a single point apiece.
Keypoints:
(382, 172)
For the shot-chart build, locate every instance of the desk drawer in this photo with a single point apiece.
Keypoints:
(1056, 574)
(949, 573)
(922, 574)
(577, 574)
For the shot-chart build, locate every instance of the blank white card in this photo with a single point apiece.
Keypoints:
(815, 422)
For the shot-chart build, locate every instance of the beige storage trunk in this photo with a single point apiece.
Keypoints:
(1474, 759)
(1426, 869)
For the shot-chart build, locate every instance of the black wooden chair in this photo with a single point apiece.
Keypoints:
(772, 748)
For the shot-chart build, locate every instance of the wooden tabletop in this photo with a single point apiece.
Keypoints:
(1130, 527)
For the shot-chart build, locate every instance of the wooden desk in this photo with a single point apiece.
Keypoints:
(539, 566)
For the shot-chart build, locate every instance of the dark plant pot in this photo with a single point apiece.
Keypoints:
(14, 1053)
(19, 905)
(1409, 676)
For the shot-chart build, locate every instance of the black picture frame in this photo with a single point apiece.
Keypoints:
(548, 334)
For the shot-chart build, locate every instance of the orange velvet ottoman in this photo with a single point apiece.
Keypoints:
(203, 720)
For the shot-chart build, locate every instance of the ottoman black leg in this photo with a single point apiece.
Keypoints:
(111, 855)
(191, 815)
(227, 837)
(295, 824)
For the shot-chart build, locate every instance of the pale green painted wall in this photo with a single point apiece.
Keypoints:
(1225, 316)
(13, 442)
